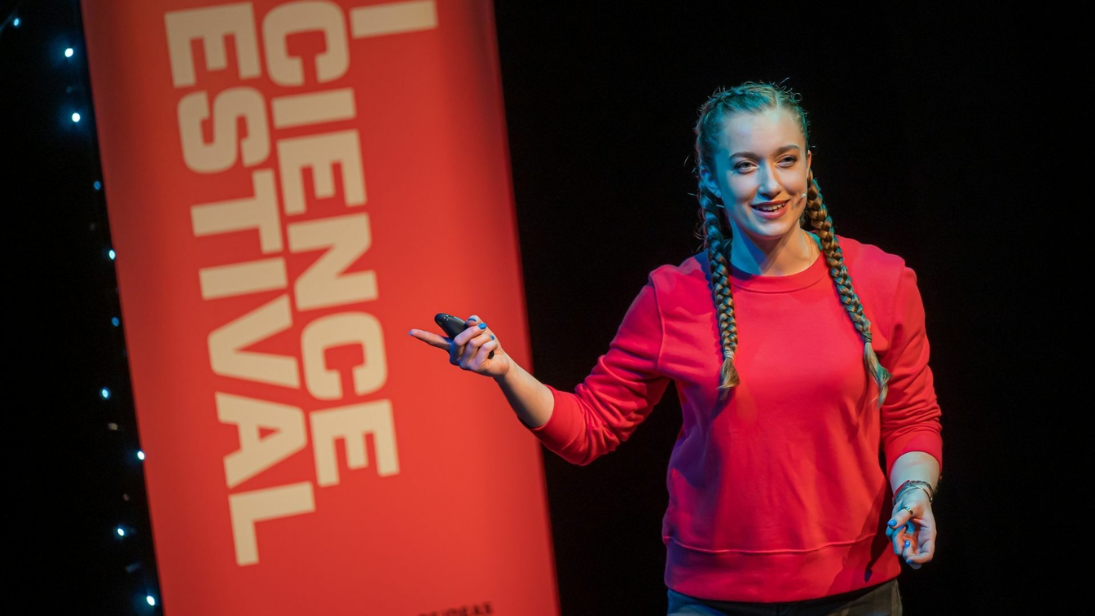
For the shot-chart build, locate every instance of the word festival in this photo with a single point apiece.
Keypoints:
(301, 133)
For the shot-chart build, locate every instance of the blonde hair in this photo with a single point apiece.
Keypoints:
(752, 97)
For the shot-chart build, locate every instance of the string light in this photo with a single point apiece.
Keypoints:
(16, 22)
(124, 534)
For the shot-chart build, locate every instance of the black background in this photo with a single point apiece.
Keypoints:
(958, 140)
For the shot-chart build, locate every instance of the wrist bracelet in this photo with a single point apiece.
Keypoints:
(916, 483)
(921, 488)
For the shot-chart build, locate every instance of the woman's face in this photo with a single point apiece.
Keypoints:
(761, 163)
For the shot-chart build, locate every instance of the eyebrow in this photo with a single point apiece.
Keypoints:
(778, 152)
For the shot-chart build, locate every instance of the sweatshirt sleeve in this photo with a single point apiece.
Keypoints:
(618, 394)
(910, 415)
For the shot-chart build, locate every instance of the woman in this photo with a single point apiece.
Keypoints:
(776, 496)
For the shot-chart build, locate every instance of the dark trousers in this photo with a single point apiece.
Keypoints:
(879, 600)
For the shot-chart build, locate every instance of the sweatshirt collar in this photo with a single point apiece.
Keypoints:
(780, 284)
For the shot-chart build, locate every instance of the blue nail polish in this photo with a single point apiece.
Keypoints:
(892, 522)
(482, 326)
(906, 543)
(492, 336)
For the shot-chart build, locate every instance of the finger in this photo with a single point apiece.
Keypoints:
(487, 332)
(472, 320)
(908, 527)
(917, 559)
(473, 346)
(454, 353)
(895, 524)
(469, 333)
(890, 530)
(484, 352)
(900, 517)
(901, 540)
(912, 535)
(904, 546)
(902, 534)
(923, 555)
(430, 338)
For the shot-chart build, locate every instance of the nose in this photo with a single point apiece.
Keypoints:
(769, 182)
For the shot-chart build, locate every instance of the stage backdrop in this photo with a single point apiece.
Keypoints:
(292, 186)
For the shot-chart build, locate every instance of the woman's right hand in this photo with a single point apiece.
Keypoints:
(470, 348)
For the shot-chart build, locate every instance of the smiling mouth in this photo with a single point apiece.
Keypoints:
(769, 207)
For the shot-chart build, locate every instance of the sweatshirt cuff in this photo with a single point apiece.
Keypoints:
(928, 442)
(559, 431)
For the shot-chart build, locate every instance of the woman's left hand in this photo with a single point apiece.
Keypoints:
(913, 533)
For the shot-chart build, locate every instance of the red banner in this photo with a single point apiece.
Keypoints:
(292, 186)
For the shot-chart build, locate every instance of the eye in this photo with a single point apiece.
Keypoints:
(788, 161)
(743, 166)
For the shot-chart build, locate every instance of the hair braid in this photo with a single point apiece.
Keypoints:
(819, 218)
(717, 249)
(751, 97)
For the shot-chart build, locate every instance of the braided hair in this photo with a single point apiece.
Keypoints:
(751, 97)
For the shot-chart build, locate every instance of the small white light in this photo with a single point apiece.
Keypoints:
(17, 22)
(140, 455)
(68, 52)
(75, 117)
(151, 600)
(105, 393)
(115, 321)
(98, 185)
(121, 532)
(112, 254)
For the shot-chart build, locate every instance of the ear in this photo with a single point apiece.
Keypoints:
(708, 179)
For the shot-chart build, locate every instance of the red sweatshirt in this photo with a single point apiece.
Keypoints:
(775, 493)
